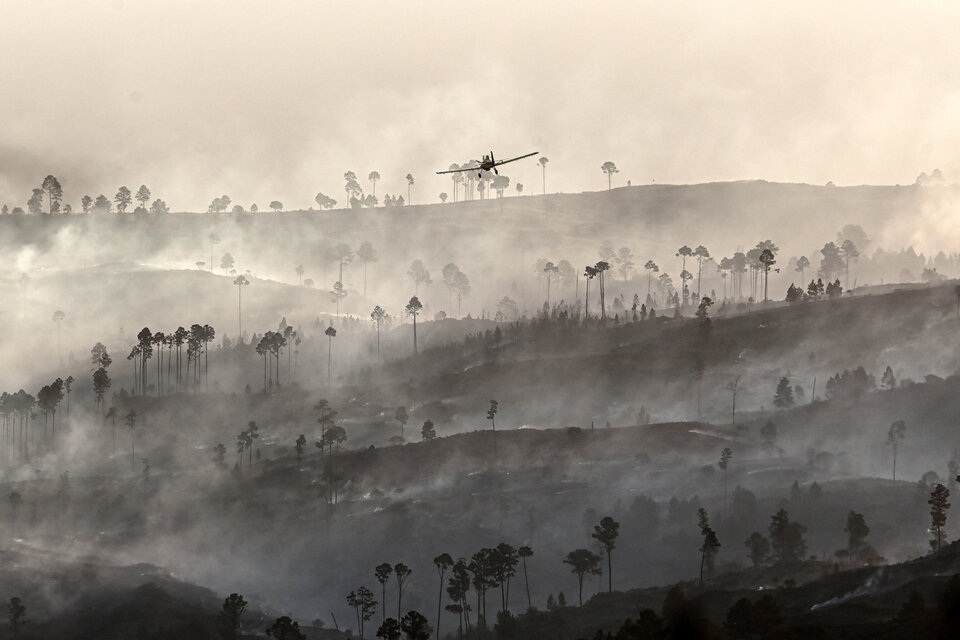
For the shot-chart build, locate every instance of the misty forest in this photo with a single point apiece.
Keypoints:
(491, 404)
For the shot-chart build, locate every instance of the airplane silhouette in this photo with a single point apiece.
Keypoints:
(488, 163)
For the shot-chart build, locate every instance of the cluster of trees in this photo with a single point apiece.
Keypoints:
(169, 347)
(270, 347)
(481, 181)
(486, 570)
(51, 190)
(785, 544)
(18, 416)
(815, 290)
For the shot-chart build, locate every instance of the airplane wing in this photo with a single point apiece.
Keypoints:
(500, 162)
(461, 169)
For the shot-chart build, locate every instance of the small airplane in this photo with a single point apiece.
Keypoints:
(488, 163)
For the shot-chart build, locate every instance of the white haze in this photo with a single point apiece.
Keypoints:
(264, 100)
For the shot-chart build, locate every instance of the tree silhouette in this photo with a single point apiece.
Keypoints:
(401, 416)
(848, 252)
(159, 207)
(683, 253)
(857, 531)
(702, 254)
(783, 397)
(378, 315)
(803, 263)
(143, 196)
(482, 568)
(725, 457)
(401, 572)
(427, 432)
(457, 588)
(300, 446)
(284, 628)
(366, 255)
(590, 273)
(276, 205)
(525, 552)
(325, 420)
(54, 193)
(219, 205)
(759, 548)
(609, 168)
(419, 274)
(352, 188)
(226, 263)
(331, 333)
(492, 417)
(442, 562)
(17, 615)
(112, 416)
(325, 201)
(35, 203)
(214, 241)
(938, 514)
(219, 455)
(58, 317)
(624, 260)
(767, 259)
(600, 268)
(240, 281)
(132, 426)
(343, 254)
(786, 538)
(338, 293)
(382, 572)
(409, 186)
(606, 534)
(896, 434)
(389, 629)
(413, 308)
(415, 626)
(710, 546)
(543, 165)
(373, 176)
(364, 604)
(66, 385)
(229, 619)
(550, 270)
(123, 198)
(461, 285)
(500, 184)
(85, 203)
(583, 562)
(102, 204)
(443, 196)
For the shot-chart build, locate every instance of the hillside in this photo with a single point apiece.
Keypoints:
(652, 220)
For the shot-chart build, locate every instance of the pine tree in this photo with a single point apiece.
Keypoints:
(783, 398)
(711, 545)
(938, 514)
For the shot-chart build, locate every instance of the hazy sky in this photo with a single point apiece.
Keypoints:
(265, 100)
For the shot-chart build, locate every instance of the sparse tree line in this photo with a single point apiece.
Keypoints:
(185, 351)
(745, 275)
(20, 413)
(52, 190)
